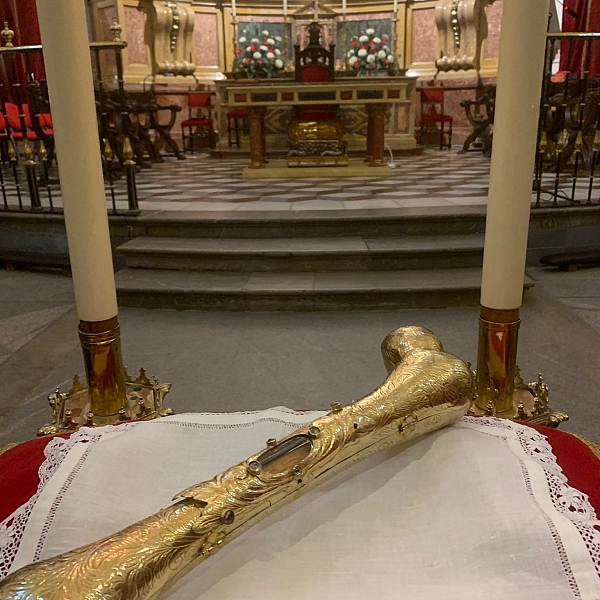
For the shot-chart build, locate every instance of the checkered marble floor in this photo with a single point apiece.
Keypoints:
(201, 183)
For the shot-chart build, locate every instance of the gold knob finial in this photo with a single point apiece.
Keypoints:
(127, 149)
(116, 30)
(7, 35)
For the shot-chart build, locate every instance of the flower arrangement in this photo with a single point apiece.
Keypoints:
(256, 58)
(370, 54)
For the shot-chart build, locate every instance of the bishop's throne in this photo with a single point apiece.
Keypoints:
(316, 133)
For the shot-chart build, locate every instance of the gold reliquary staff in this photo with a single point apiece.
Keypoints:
(426, 389)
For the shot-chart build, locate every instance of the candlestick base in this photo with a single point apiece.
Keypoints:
(530, 404)
(71, 410)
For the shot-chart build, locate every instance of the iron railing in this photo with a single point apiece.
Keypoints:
(28, 170)
(569, 122)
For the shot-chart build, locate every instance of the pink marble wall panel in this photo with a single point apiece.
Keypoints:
(424, 34)
(371, 16)
(205, 40)
(493, 39)
(134, 34)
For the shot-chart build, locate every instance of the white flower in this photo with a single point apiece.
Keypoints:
(270, 55)
(377, 40)
(279, 63)
(386, 48)
(271, 42)
(278, 38)
(243, 40)
(370, 31)
(263, 48)
(277, 51)
(381, 54)
(248, 48)
(257, 55)
(363, 38)
(391, 57)
(254, 40)
(265, 32)
(362, 52)
(350, 52)
(371, 58)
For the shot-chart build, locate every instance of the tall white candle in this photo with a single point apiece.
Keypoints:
(395, 6)
(69, 73)
(520, 66)
(344, 2)
(233, 8)
(285, 8)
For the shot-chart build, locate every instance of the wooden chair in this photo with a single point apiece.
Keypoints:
(201, 125)
(430, 98)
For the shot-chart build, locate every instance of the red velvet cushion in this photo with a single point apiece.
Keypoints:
(196, 123)
(432, 95)
(197, 99)
(436, 118)
(12, 115)
(314, 74)
(2, 123)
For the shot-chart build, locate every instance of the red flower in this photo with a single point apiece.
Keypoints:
(371, 50)
(238, 51)
(371, 44)
(271, 48)
(362, 47)
(356, 65)
(384, 40)
(254, 47)
(387, 62)
(259, 62)
(353, 42)
(246, 61)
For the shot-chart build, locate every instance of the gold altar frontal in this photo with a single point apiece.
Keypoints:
(377, 95)
(279, 169)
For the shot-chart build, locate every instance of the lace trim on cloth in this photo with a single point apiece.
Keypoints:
(567, 501)
(13, 527)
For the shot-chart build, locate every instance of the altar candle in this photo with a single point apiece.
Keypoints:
(395, 6)
(69, 72)
(520, 66)
(285, 9)
(344, 7)
(233, 8)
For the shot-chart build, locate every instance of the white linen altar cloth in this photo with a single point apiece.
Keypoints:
(477, 510)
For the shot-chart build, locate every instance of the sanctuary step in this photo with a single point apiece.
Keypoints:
(420, 288)
(305, 254)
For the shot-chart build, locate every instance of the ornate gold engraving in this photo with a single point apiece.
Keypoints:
(426, 389)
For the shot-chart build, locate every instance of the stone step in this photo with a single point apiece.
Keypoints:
(432, 288)
(437, 220)
(304, 254)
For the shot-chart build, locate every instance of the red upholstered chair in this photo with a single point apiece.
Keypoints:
(201, 125)
(430, 118)
(236, 122)
(15, 125)
(315, 64)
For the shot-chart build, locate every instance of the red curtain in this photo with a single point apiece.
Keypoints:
(21, 16)
(576, 19)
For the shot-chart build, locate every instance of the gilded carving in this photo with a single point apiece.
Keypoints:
(169, 33)
(461, 27)
(425, 390)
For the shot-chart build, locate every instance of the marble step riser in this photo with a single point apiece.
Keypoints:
(312, 228)
(297, 301)
(317, 262)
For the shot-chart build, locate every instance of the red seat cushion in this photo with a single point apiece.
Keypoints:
(436, 118)
(196, 123)
(237, 113)
(12, 116)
